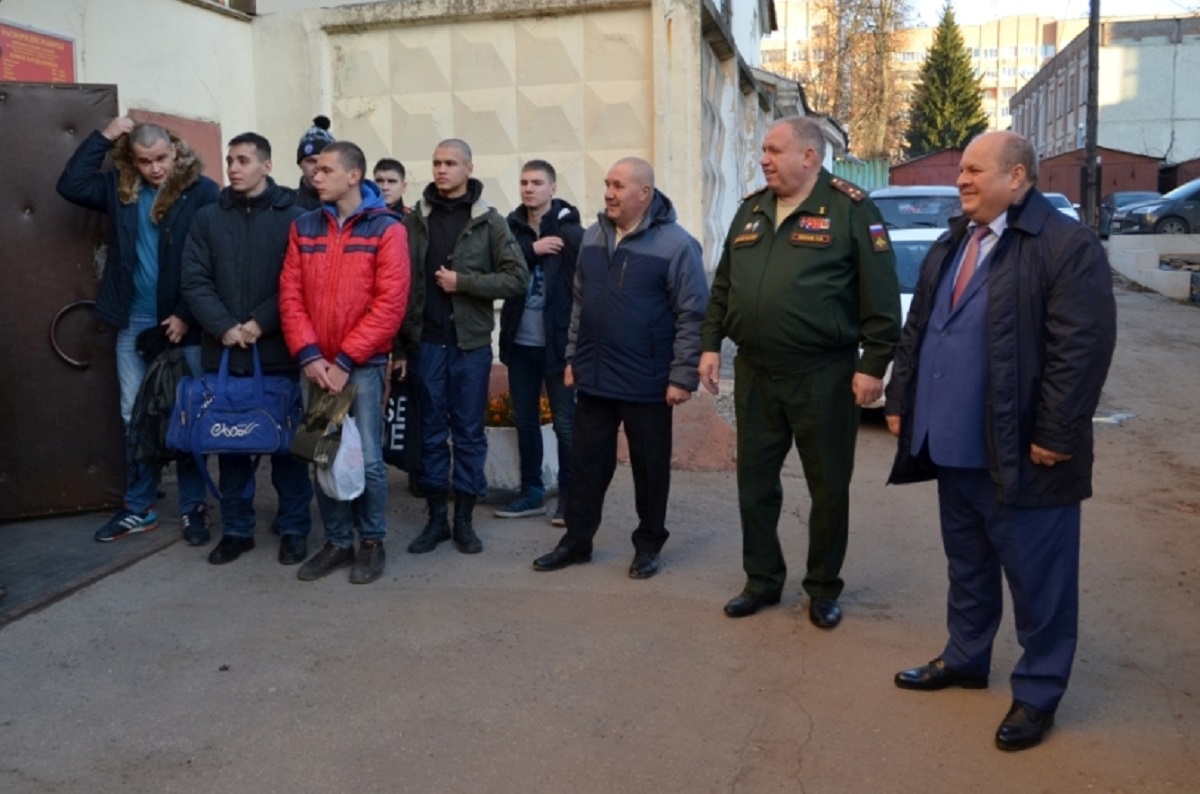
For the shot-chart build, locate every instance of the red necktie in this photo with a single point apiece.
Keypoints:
(968, 264)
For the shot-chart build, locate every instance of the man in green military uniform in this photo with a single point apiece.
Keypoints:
(807, 276)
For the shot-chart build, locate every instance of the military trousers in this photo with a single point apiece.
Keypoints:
(812, 408)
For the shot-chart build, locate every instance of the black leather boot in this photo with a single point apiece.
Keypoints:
(438, 527)
(465, 538)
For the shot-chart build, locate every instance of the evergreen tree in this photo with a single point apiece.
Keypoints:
(947, 108)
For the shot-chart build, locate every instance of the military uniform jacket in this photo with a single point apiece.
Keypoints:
(822, 284)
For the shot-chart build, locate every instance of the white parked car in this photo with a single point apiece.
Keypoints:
(1063, 204)
(910, 247)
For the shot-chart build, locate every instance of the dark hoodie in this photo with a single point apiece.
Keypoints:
(558, 273)
(116, 193)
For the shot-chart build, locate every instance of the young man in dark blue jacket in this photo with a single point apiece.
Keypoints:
(533, 335)
(151, 198)
(231, 268)
(632, 354)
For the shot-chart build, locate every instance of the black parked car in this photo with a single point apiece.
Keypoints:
(1177, 212)
(1120, 200)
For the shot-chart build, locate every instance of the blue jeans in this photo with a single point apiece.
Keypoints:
(289, 475)
(453, 388)
(526, 374)
(370, 508)
(141, 480)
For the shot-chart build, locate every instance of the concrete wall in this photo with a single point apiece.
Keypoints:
(1137, 257)
(166, 56)
(580, 83)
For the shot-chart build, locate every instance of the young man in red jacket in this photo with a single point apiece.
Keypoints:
(342, 297)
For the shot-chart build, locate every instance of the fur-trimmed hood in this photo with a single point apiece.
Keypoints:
(188, 169)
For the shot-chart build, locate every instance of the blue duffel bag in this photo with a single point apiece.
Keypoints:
(235, 415)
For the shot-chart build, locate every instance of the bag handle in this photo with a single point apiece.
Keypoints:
(223, 372)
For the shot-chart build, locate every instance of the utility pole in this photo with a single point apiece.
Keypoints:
(1091, 197)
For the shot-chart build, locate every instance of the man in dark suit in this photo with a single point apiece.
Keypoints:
(999, 370)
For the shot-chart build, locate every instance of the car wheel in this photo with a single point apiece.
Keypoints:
(1171, 226)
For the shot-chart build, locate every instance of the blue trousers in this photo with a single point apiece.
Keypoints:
(526, 375)
(1037, 550)
(453, 389)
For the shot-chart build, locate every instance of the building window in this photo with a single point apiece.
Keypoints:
(1008, 71)
(975, 53)
(1008, 52)
(1047, 50)
(1027, 72)
(1007, 93)
(1005, 112)
(990, 53)
(1028, 51)
(989, 74)
(818, 55)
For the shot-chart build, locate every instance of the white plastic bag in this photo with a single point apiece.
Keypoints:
(346, 479)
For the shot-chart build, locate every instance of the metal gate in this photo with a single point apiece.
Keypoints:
(62, 447)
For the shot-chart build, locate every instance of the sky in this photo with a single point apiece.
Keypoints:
(974, 12)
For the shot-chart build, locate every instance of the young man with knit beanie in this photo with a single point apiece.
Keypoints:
(312, 143)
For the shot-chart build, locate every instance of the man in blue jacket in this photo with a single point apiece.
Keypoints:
(231, 268)
(151, 197)
(633, 349)
(999, 370)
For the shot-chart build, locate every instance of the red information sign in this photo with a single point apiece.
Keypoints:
(27, 56)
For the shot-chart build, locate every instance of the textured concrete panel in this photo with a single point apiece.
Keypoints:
(617, 47)
(420, 59)
(549, 117)
(367, 121)
(360, 66)
(489, 117)
(549, 51)
(419, 121)
(617, 114)
(483, 55)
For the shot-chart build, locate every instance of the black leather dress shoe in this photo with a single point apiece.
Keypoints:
(1023, 727)
(292, 549)
(825, 613)
(936, 675)
(560, 558)
(746, 603)
(644, 565)
(229, 549)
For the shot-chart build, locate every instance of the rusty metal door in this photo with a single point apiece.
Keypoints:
(62, 448)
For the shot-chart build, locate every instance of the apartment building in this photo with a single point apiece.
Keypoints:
(1146, 107)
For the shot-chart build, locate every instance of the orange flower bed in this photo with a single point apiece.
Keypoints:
(500, 411)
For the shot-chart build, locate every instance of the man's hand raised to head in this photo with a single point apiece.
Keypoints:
(118, 127)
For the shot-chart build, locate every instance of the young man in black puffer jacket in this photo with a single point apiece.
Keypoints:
(533, 335)
(231, 267)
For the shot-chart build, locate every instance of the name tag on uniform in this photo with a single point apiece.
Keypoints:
(749, 236)
(811, 239)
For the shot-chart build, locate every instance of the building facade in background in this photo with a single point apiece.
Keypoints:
(1146, 90)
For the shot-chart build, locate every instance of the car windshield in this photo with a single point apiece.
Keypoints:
(1125, 199)
(909, 256)
(916, 212)
(1059, 200)
(1188, 190)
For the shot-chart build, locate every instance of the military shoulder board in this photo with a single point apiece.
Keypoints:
(853, 191)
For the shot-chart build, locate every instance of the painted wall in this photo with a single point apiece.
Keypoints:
(166, 56)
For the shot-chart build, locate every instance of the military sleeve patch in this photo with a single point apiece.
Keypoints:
(879, 238)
